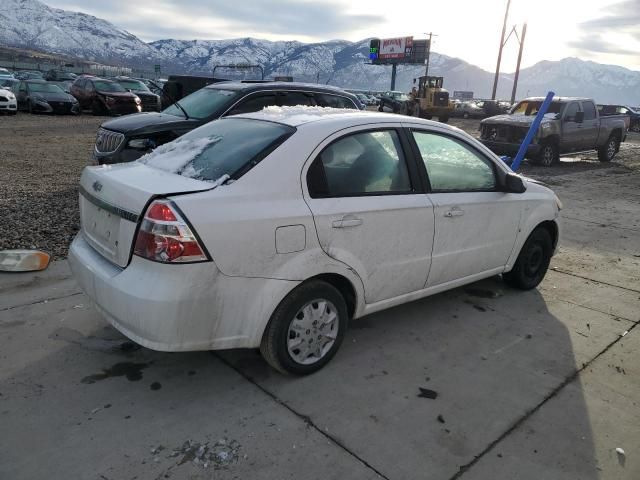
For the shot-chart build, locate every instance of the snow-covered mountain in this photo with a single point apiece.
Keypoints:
(32, 24)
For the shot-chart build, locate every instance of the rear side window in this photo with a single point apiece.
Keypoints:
(230, 146)
(369, 163)
(452, 166)
(335, 101)
(589, 110)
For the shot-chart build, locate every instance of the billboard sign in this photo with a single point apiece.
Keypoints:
(399, 47)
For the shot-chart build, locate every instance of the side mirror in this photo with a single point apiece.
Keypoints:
(513, 184)
(579, 117)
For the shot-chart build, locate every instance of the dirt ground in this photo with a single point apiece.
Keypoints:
(41, 158)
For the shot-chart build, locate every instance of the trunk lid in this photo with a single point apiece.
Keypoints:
(112, 202)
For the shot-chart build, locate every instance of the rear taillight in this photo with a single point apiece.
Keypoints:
(164, 236)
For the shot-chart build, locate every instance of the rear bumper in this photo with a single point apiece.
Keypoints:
(176, 307)
(503, 148)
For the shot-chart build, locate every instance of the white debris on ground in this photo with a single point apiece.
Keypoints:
(177, 155)
(221, 454)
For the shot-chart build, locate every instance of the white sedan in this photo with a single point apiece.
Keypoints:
(274, 229)
(8, 102)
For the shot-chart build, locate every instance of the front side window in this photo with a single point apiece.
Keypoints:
(367, 163)
(291, 99)
(570, 115)
(452, 166)
(254, 103)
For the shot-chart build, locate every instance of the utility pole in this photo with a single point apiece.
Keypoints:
(504, 28)
(426, 70)
(515, 78)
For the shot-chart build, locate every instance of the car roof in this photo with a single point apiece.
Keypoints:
(557, 99)
(342, 117)
(260, 85)
(35, 80)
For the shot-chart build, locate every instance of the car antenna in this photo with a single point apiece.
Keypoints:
(175, 102)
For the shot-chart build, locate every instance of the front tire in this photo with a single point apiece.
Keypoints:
(548, 155)
(306, 329)
(381, 108)
(533, 261)
(608, 150)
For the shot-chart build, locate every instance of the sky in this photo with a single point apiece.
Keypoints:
(605, 31)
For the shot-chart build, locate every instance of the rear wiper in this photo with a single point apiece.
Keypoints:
(175, 102)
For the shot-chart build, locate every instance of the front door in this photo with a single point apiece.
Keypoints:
(590, 126)
(475, 225)
(369, 213)
(571, 138)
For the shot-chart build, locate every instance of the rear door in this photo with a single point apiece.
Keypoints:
(369, 210)
(475, 225)
(572, 137)
(590, 126)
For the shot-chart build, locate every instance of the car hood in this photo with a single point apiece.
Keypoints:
(5, 92)
(53, 97)
(151, 122)
(517, 120)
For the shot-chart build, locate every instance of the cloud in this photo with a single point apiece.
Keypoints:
(208, 19)
(622, 18)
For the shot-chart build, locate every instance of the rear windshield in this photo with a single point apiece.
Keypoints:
(44, 87)
(222, 149)
(531, 107)
(203, 103)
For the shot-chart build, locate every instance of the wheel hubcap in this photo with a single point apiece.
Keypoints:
(313, 331)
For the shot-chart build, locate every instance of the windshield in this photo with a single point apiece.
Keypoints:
(45, 87)
(104, 86)
(531, 107)
(133, 85)
(203, 103)
(226, 148)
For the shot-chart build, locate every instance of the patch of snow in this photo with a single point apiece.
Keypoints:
(176, 156)
(301, 113)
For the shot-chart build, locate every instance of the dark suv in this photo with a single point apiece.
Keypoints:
(104, 97)
(150, 101)
(126, 139)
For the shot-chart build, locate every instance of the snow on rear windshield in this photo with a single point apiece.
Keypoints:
(226, 147)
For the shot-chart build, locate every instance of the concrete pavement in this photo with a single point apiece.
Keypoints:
(541, 384)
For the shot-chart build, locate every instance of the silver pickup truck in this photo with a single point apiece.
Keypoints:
(570, 125)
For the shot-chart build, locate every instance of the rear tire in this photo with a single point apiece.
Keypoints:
(533, 261)
(609, 149)
(635, 127)
(381, 108)
(97, 108)
(465, 115)
(315, 315)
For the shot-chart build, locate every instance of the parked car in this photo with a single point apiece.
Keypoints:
(570, 125)
(275, 229)
(28, 75)
(104, 97)
(391, 101)
(373, 100)
(8, 102)
(126, 139)
(364, 99)
(38, 96)
(4, 73)
(150, 101)
(634, 114)
(59, 76)
(9, 84)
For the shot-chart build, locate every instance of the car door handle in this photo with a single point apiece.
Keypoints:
(454, 212)
(346, 222)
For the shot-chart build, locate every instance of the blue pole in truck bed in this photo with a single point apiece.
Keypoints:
(515, 164)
